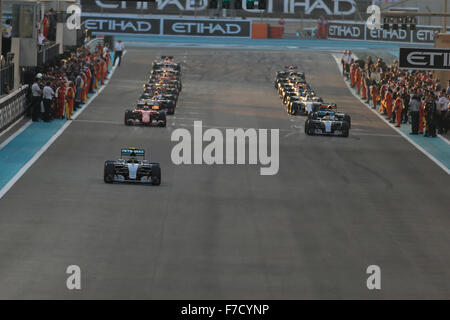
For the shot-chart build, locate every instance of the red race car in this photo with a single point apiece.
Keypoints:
(146, 115)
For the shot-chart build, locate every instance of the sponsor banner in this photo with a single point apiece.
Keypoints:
(214, 28)
(307, 9)
(124, 25)
(346, 31)
(424, 34)
(424, 59)
(359, 31)
(398, 35)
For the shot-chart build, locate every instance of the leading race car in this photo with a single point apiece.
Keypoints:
(327, 123)
(333, 107)
(132, 169)
(146, 114)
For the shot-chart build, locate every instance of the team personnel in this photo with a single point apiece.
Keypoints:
(441, 109)
(398, 109)
(445, 118)
(430, 117)
(414, 107)
(118, 51)
(48, 94)
(6, 37)
(36, 94)
(60, 100)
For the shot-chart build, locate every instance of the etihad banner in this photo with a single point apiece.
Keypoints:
(359, 31)
(215, 28)
(145, 25)
(308, 9)
(122, 25)
(424, 59)
(346, 31)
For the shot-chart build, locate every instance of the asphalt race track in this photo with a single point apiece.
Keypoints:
(336, 206)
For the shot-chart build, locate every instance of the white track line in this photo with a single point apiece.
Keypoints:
(429, 155)
(27, 166)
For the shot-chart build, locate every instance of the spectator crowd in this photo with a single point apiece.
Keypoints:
(61, 88)
(402, 96)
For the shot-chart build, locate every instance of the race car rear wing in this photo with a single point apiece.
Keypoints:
(133, 152)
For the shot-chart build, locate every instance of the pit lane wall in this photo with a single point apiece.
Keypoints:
(359, 31)
(12, 107)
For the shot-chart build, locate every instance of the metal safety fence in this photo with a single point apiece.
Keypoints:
(12, 107)
(6, 78)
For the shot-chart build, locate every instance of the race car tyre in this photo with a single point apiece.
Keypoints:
(128, 116)
(109, 171)
(345, 131)
(293, 110)
(348, 119)
(162, 119)
(310, 130)
(156, 174)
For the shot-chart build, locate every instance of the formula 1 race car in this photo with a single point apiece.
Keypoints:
(132, 169)
(326, 123)
(165, 62)
(333, 107)
(146, 114)
(165, 102)
(289, 74)
(298, 106)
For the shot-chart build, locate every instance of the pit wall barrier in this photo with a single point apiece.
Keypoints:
(13, 106)
(260, 30)
(276, 32)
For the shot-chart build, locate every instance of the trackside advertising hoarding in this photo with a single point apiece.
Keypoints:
(147, 25)
(216, 28)
(359, 31)
(123, 25)
(424, 59)
(307, 9)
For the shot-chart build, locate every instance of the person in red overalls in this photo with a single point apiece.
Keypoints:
(88, 73)
(45, 26)
(104, 69)
(352, 74)
(374, 94)
(60, 100)
(358, 79)
(85, 88)
(382, 108)
(363, 87)
(398, 109)
(388, 100)
(70, 97)
(97, 74)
